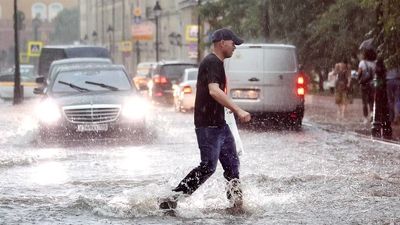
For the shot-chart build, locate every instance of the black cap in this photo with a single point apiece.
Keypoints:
(225, 34)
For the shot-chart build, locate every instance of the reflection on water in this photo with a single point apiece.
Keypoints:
(49, 173)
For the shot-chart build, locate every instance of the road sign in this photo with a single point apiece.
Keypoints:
(137, 11)
(125, 46)
(191, 33)
(34, 48)
(24, 58)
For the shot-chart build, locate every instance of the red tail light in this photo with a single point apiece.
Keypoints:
(187, 89)
(300, 80)
(158, 79)
(300, 85)
(300, 91)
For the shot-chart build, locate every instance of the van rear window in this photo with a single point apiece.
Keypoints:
(273, 60)
(279, 60)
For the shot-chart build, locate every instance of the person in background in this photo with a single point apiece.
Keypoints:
(332, 80)
(393, 94)
(381, 125)
(366, 70)
(341, 88)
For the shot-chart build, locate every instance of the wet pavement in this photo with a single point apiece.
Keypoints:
(312, 176)
(322, 109)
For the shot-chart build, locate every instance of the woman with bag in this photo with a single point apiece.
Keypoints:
(366, 70)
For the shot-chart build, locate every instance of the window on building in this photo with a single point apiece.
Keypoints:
(0, 13)
(54, 10)
(39, 9)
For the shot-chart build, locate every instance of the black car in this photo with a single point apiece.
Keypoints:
(96, 99)
(50, 53)
(164, 76)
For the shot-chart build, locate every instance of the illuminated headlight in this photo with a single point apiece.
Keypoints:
(48, 111)
(135, 108)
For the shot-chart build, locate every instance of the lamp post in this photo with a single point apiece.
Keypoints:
(175, 39)
(36, 23)
(110, 31)
(157, 13)
(94, 35)
(18, 91)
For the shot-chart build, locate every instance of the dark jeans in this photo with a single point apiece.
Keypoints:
(215, 143)
(367, 99)
(393, 95)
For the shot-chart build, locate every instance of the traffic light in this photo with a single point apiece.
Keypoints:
(20, 20)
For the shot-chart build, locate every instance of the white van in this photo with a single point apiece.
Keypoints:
(264, 80)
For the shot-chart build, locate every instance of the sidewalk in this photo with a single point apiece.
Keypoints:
(323, 110)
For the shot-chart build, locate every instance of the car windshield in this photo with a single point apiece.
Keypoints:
(54, 68)
(93, 80)
(175, 71)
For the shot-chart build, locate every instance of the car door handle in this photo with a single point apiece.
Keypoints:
(254, 79)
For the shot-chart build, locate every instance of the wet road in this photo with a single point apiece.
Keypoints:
(289, 177)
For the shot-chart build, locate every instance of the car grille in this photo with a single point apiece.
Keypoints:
(92, 113)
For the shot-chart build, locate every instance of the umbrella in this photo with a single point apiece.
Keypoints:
(367, 44)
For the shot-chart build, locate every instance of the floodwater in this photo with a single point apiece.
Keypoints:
(306, 177)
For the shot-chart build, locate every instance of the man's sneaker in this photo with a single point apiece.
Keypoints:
(234, 193)
(170, 202)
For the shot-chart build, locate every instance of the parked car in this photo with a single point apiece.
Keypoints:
(143, 75)
(264, 79)
(27, 81)
(164, 76)
(99, 99)
(185, 93)
(50, 53)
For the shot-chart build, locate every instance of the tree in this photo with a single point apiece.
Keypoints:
(66, 25)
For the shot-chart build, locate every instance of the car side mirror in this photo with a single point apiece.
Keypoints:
(40, 80)
(38, 91)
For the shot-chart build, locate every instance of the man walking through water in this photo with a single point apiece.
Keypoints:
(214, 137)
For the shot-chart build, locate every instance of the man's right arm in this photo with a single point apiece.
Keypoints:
(224, 100)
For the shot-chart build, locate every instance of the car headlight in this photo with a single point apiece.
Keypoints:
(48, 111)
(135, 108)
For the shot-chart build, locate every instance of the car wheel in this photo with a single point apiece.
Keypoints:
(296, 125)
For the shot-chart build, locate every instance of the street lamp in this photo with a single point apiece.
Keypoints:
(36, 23)
(94, 35)
(110, 31)
(157, 13)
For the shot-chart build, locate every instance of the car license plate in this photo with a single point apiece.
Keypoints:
(245, 94)
(92, 127)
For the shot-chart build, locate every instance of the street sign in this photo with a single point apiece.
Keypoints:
(143, 31)
(125, 46)
(34, 48)
(137, 11)
(191, 33)
(24, 58)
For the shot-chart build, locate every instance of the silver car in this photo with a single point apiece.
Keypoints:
(185, 91)
(27, 81)
(91, 100)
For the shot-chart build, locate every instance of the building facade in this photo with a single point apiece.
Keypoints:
(38, 16)
(128, 29)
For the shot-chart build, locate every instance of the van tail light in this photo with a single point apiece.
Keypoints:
(159, 79)
(187, 89)
(300, 84)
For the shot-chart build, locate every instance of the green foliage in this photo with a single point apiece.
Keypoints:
(66, 27)
(324, 31)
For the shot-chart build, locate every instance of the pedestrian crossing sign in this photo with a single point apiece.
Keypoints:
(34, 48)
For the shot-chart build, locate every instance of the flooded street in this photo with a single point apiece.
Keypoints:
(306, 177)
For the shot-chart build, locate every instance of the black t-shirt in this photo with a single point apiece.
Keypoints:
(207, 111)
